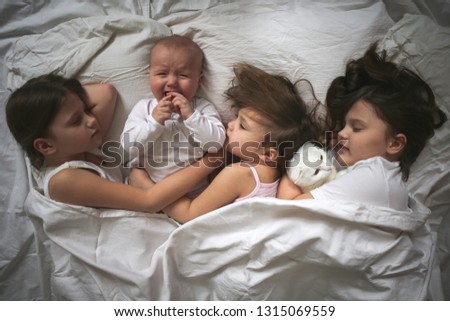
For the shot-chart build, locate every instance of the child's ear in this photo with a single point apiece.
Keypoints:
(396, 144)
(44, 146)
(270, 155)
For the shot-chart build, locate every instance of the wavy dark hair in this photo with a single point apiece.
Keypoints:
(31, 109)
(399, 96)
(278, 101)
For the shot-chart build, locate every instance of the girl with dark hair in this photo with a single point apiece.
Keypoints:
(384, 115)
(59, 123)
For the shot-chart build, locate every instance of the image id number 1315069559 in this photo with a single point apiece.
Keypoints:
(290, 310)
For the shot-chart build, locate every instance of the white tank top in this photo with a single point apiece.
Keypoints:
(110, 173)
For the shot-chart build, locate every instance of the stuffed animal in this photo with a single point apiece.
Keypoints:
(310, 167)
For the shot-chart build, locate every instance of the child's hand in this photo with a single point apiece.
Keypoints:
(139, 178)
(182, 105)
(163, 110)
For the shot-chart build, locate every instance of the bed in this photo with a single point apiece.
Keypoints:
(261, 249)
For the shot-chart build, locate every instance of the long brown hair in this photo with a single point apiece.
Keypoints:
(400, 98)
(278, 101)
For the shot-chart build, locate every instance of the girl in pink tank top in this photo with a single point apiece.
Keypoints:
(272, 123)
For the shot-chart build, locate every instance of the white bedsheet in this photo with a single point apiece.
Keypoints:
(245, 251)
(262, 249)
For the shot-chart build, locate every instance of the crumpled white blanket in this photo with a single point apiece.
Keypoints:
(268, 249)
(260, 249)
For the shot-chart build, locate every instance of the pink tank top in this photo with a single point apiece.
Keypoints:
(261, 189)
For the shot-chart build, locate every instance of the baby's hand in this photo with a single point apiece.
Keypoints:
(163, 110)
(182, 105)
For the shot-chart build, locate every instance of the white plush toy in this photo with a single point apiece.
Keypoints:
(310, 167)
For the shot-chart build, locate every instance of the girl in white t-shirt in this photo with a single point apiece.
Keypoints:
(384, 114)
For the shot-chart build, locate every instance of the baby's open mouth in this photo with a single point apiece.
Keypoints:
(168, 93)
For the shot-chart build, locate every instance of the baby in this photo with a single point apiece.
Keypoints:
(177, 127)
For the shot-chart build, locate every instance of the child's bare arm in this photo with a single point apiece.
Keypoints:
(222, 191)
(101, 99)
(86, 188)
(139, 178)
(289, 191)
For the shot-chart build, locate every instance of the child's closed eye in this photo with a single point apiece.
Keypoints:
(76, 121)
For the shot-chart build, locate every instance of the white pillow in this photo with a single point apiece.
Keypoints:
(311, 40)
(423, 46)
(114, 49)
(163, 8)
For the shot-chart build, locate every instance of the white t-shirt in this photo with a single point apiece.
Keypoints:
(375, 181)
(164, 149)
